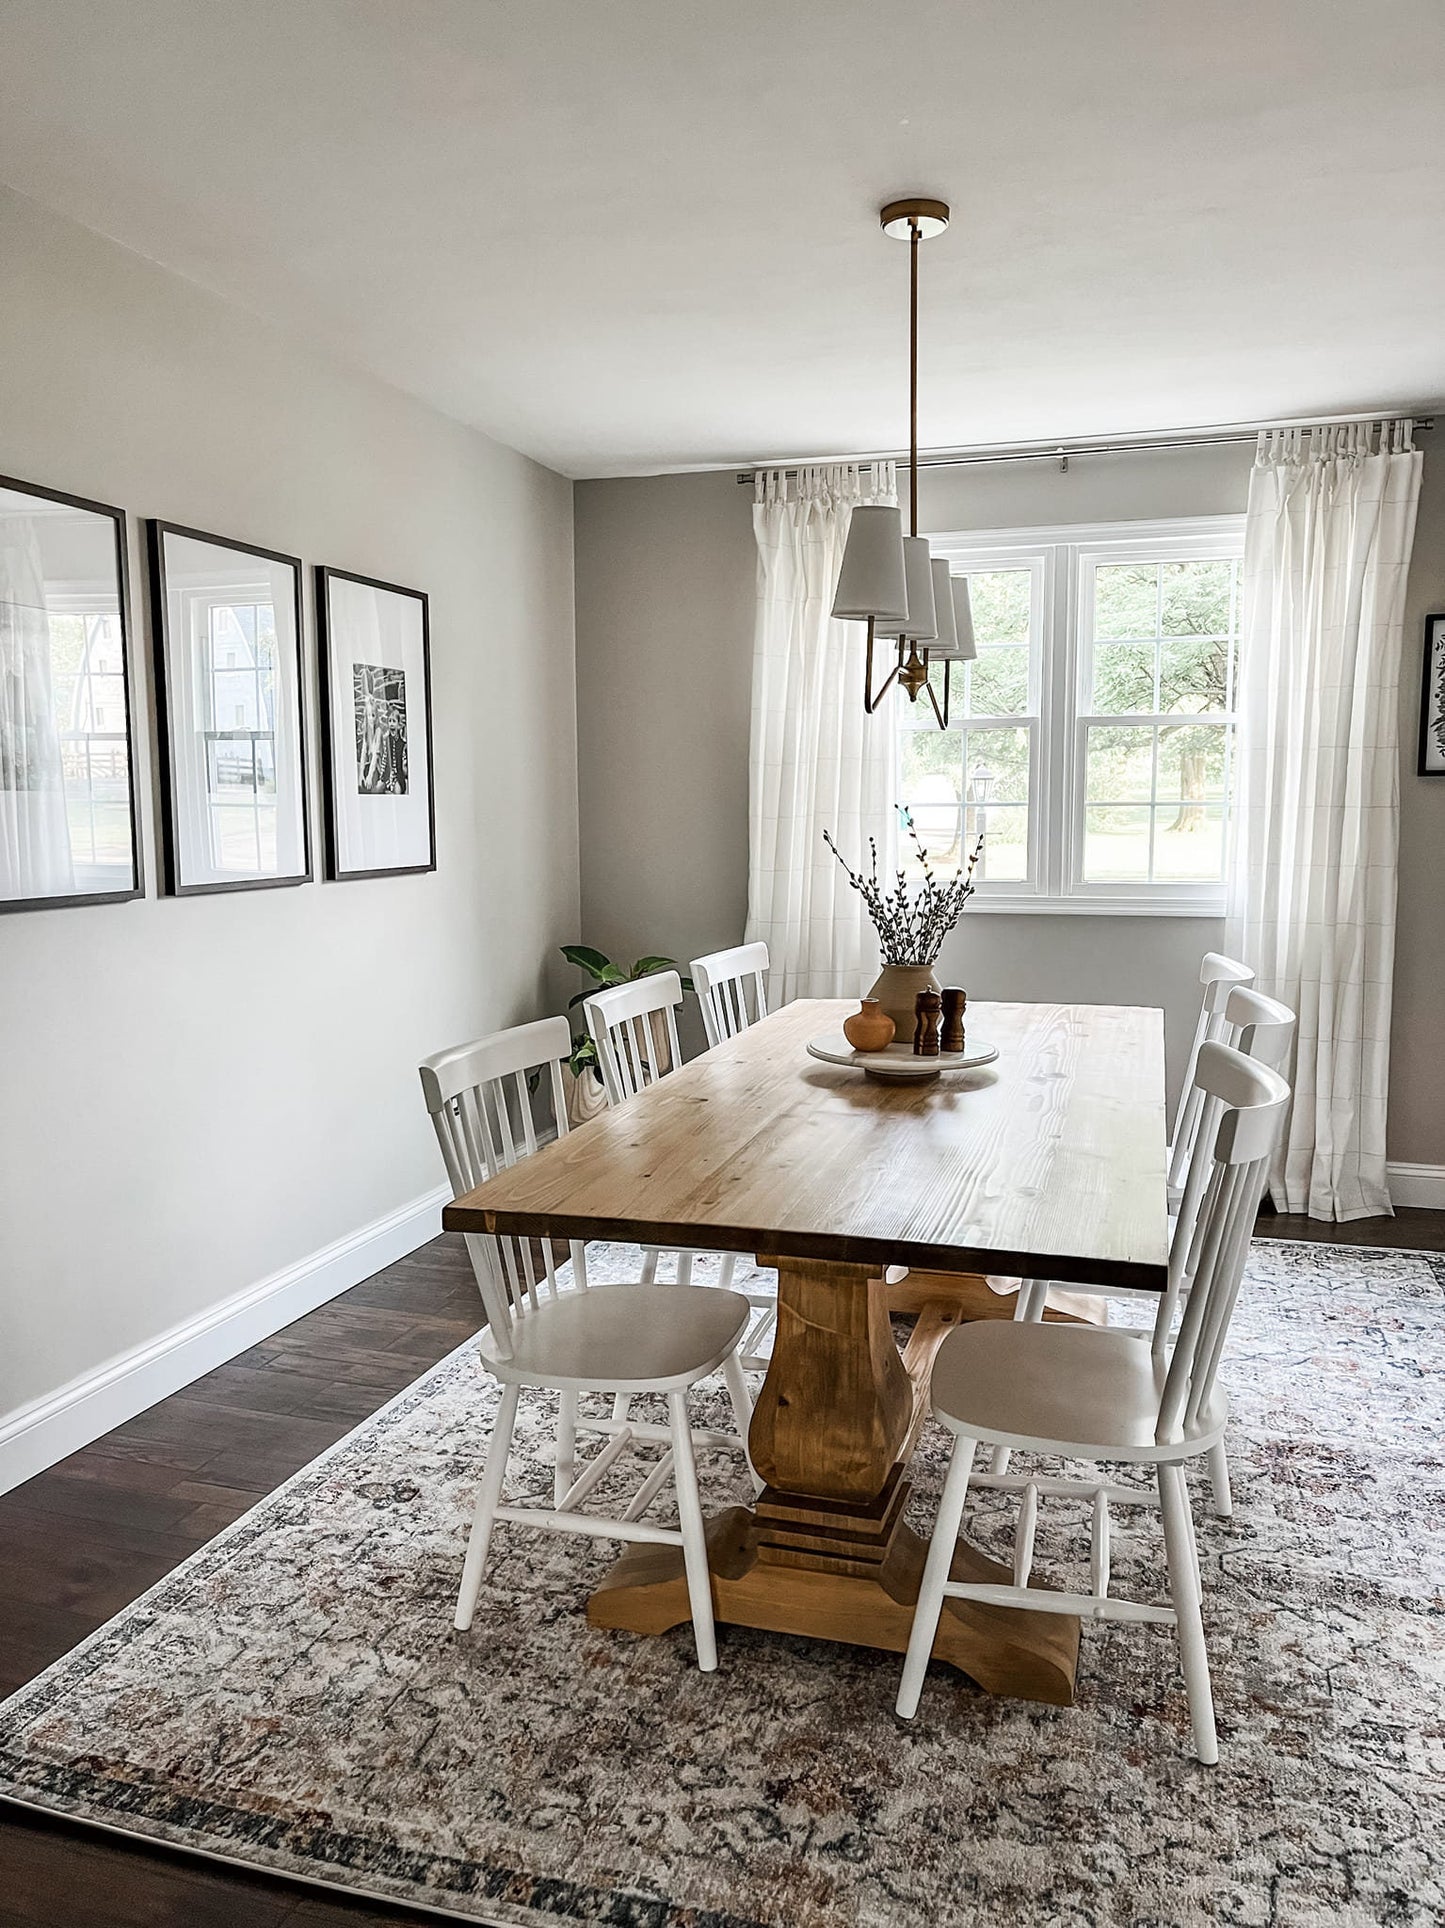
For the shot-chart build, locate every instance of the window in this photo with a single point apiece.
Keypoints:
(1091, 742)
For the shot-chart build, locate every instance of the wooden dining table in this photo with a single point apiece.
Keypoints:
(1047, 1163)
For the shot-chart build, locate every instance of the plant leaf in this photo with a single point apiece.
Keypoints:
(587, 959)
(645, 966)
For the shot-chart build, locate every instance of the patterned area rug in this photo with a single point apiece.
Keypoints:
(293, 1696)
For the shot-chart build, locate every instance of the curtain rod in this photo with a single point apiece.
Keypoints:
(1060, 452)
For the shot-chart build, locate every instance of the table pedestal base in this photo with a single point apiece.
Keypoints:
(1030, 1656)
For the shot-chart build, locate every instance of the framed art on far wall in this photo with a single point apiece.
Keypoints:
(374, 646)
(68, 822)
(1432, 699)
(230, 712)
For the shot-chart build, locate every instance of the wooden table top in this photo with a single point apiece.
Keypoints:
(1048, 1163)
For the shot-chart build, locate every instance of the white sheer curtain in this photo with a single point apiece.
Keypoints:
(1312, 891)
(35, 859)
(818, 760)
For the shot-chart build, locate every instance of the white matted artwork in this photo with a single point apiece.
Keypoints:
(1432, 699)
(374, 648)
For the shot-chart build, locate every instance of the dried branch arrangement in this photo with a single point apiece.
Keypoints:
(912, 922)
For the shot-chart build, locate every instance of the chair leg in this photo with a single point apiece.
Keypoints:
(935, 1575)
(694, 1534)
(1033, 1301)
(684, 1268)
(1001, 1457)
(1219, 1480)
(488, 1499)
(648, 1274)
(564, 1471)
(1184, 1593)
(742, 1405)
(727, 1268)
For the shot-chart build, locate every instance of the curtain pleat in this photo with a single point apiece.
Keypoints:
(818, 761)
(1330, 526)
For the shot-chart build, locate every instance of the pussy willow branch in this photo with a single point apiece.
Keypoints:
(911, 925)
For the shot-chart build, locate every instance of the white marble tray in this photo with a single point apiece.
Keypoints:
(897, 1064)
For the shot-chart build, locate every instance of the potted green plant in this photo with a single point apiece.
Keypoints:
(585, 1094)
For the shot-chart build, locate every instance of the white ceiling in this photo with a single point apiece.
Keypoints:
(626, 235)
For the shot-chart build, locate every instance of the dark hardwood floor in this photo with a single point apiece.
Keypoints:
(81, 1541)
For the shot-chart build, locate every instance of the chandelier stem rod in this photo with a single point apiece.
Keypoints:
(914, 237)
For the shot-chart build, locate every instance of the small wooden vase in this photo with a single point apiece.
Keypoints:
(870, 1028)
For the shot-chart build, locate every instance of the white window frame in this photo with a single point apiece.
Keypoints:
(1061, 638)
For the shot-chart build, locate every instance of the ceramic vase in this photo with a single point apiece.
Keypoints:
(897, 991)
(586, 1096)
(870, 1028)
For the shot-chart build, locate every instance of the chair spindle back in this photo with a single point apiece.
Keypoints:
(1219, 975)
(723, 979)
(1244, 1103)
(634, 1027)
(480, 1102)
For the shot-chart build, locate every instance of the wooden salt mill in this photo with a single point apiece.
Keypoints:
(925, 1031)
(955, 1002)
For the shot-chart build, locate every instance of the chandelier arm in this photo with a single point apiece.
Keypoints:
(941, 714)
(872, 698)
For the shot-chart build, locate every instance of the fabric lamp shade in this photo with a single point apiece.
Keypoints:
(920, 625)
(871, 580)
(944, 647)
(963, 620)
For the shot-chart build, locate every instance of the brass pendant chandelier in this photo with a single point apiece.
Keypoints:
(892, 581)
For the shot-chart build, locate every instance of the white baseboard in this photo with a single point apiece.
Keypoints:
(36, 1435)
(1417, 1185)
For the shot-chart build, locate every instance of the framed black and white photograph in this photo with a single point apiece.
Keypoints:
(68, 829)
(229, 712)
(1432, 699)
(374, 646)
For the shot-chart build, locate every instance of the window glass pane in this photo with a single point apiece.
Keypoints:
(1189, 844)
(1116, 844)
(1194, 675)
(1124, 679)
(1126, 600)
(999, 600)
(1005, 858)
(1191, 765)
(998, 683)
(1196, 598)
(1120, 765)
(932, 789)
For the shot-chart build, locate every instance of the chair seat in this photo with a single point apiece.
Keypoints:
(619, 1338)
(1060, 1388)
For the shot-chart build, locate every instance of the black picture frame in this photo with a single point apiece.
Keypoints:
(71, 899)
(1432, 698)
(330, 695)
(174, 885)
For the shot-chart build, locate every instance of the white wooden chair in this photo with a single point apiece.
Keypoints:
(1100, 1394)
(634, 1027)
(1260, 1027)
(1219, 975)
(569, 1338)
(727, 982)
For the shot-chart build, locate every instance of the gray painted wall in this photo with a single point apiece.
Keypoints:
(202, 1092)
(665, 573)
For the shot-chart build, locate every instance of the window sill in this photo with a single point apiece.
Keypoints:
(1201, 906)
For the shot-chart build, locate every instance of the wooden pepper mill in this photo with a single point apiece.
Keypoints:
(955, 1002)
(926, 1008)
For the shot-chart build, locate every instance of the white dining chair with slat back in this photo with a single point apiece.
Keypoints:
(1100, 1394)
(1219, 975)
(1261, 1028)
(634, 1027)
(732, 997)
(730, 991)
(557, 1334)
